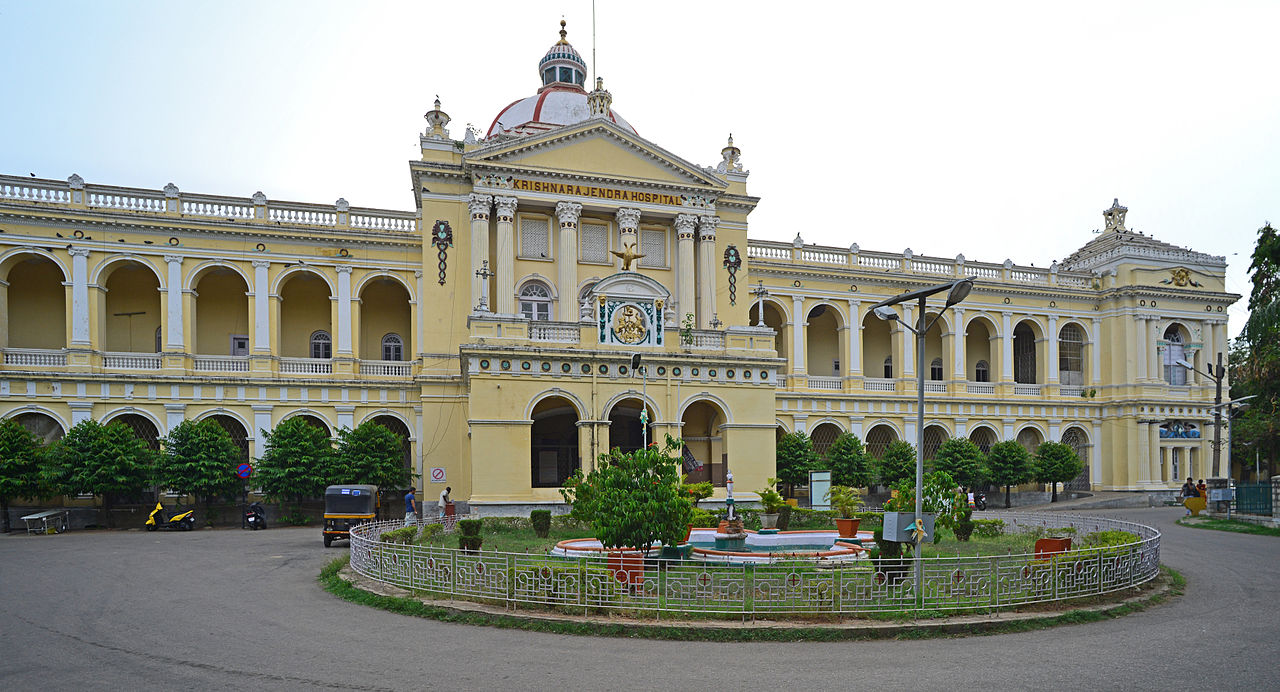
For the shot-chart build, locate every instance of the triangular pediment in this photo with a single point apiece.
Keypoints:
(595, 148)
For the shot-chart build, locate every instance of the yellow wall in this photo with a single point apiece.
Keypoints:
(304, 309)
(384, 309)
(36, 298)
(131, 288)
(222, 309)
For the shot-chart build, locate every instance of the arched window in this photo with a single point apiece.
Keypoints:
(982, 372)
(321, 344)
(392, 347)
(1071, 355)
(888, 366)
(157, 339)
(1174, 351)
(535, 301)
(935, 369)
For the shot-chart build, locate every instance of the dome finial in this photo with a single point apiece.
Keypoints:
(563, 33)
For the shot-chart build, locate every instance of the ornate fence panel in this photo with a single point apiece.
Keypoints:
(1252, 498)
(653, 587)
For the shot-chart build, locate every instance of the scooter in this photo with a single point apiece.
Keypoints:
(980, 501)
(184, 521)
(254, 517)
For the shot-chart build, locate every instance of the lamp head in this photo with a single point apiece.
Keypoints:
(635, 362)
(1184, 364)
(959, 291)
(886, 313)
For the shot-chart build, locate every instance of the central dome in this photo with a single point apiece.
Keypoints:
(560, 101)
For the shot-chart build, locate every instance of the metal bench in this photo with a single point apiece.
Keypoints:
(50, 521)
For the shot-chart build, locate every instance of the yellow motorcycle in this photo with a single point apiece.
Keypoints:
(182, 522)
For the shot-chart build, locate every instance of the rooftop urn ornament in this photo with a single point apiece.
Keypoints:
(628, 255)
(437, 119)
(1114, 217)
(731, 158)
(599, 100)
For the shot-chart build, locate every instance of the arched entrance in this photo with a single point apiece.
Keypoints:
(1026, 356)
(239, 436)
(878, 438)
(384, 321)
(397, 427)
(877, 348)
(625, 432)
(977, 350)
(822, 437)
(823, 332)
(553, 442)
(142, 428)
(34, 295)
(775, 319)
(984, 438)
(46, 428)
(1076, 439)
(704, 455)
(305, 329)
(934, 436)
(221, 315)
(1030, 439)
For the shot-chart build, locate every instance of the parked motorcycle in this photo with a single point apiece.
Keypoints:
(183, 521)
(980, 501)
(254, 517)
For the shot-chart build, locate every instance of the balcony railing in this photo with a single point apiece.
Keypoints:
(1066, 390)
(935, 387)
(37, 357)
(306, 366)
(875, 384)
(385, 368)
(555, 332)
(707, 338)
(1027, 389)
(221, 363)
(820, 382)
(131, 361)
(980, 388)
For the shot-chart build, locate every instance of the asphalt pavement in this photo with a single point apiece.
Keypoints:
(232, 609)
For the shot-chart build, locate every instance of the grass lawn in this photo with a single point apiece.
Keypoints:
(1231, 525)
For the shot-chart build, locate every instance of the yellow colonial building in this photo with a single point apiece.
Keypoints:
(493, 326)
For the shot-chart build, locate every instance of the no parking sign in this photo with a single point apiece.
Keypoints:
(244, 470)
(437, 474)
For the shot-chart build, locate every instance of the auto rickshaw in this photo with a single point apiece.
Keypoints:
(346, 506)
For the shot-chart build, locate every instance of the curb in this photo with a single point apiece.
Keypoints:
(845, 629)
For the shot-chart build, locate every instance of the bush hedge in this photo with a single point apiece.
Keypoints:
(541, 520)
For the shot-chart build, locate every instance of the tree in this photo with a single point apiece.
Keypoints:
(961, 459)
(897, 464)
(1008, 464)
(200, 459)
(849, 463)
(296, 461)
(370, 454)
(20, 457)
(795, 458)
(102, 460)
(1056, 463)
(940, 495)
(1255, 358)
(633, 499)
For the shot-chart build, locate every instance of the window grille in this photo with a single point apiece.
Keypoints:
(1071, 355)
(594, 242)
(392, 347)
(888, 366)
(535, 242)
(653, 245)
(1024, 355)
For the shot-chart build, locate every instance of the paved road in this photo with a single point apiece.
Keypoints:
(234, 610)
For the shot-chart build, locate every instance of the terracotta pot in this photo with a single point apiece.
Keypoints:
(848, 527)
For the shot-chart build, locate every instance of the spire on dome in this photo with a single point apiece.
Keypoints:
(563, 41)
(562, 65)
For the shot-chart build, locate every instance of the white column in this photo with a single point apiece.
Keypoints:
(80, 296)
(962, 427)
(1154, 362)
(422, 317)
(173, 336)
(707, 268)
(1006, 432)
(1140, 345)
(261, 306)
(261, 426)
(344, 310)
(909, 427)
(628, 230)
(1053, 350)
(801, 423)
(908, 346)
(855, 337)
(959, 337)
(1006, 347)
(797, 334)
(855, 426)
(685, 224)
(1096, 453)
(479, 206)
(567, 260)
(505, 258)
(1095, 352)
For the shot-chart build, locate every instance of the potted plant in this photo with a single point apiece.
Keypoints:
(772, 503)
(847, 501)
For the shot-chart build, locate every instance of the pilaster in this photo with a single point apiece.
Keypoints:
(567, 260)
(479, 206)
(685, 224)
(707, 269)
(504, 261)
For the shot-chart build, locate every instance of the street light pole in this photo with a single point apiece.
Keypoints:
(958, 291)
(1216, 373)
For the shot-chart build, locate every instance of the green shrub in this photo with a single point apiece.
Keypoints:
(429, 531)
(784, 517)
(470, 527)
(703, 519)
(964, 526)
(988, 528)
(294, 517)
(1103, 539)
(541, 520)
(402, 536)
(470, 544)
(770, 500)
(887, 549)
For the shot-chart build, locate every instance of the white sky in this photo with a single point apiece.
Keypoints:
(993, 129)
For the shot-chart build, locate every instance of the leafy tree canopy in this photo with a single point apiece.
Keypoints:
(1255, 358)
(20, 458)
(897, 464)
(849, 463)
(103, 460)
(200, 459)
(940, 495)
(295, 462)
(370, 454)
(633, 499)
(795, 458)
(1056, 463)
(961, 459)
(1008, 464)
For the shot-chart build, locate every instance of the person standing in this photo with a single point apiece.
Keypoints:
(1202, 490)
(444, 499)
(1188, 492)
(410, 508)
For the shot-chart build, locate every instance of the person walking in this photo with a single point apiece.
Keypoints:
(1188, 492)
(410, 508)
(1202, 490)
(444, 499)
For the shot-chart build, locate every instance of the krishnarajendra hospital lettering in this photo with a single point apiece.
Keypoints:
(597, 192)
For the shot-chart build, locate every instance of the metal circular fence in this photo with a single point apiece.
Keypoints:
(794, 587)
